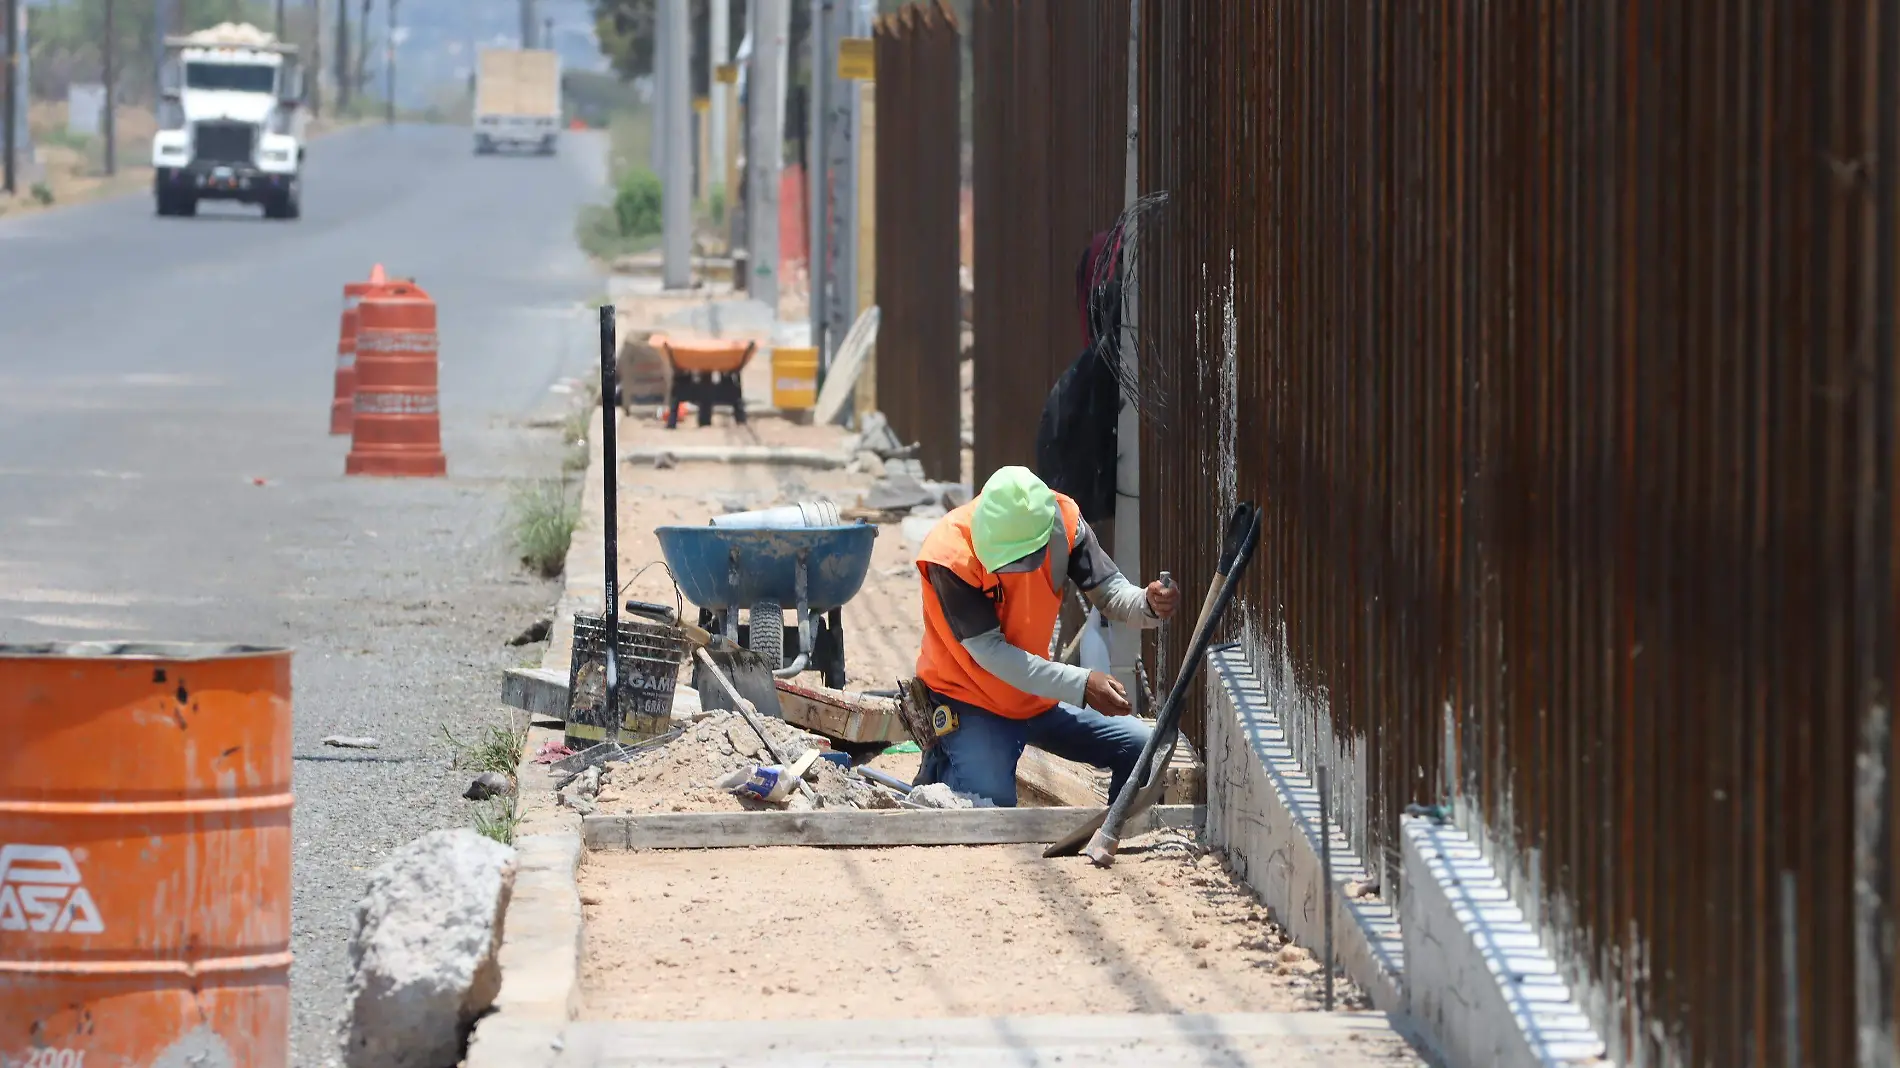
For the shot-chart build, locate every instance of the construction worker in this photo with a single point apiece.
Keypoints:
(993, 574)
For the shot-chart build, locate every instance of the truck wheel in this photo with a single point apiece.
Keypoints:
(165, 205)
(186, 205)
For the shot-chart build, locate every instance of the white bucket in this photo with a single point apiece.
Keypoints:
(802, 514)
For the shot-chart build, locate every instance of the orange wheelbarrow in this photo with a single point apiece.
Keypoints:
(705, 374)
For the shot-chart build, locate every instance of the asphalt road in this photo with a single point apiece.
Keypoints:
(152, 370)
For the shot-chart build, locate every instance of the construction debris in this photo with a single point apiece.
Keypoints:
(345, 741)
(690, 773)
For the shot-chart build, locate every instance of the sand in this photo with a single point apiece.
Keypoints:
(785, 933)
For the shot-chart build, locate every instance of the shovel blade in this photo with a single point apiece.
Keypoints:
(749, 675)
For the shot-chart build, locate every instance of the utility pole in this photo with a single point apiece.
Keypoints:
(280, 20)
(527, 23)
(718, 52)
(342, 55)
(109, 54)
(547, 32)
(161, 25)
(362, 49)
(766, 149)
(389, 60)
(315, 66)
(817, 183)
(675, 42)
(8, 131)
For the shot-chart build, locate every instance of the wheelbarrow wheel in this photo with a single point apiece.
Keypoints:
(769, 640)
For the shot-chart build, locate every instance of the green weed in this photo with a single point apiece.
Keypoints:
(545, 516)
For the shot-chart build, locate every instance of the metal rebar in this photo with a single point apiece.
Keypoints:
(609, 412)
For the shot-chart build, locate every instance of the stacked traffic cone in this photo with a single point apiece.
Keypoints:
(396, 424)
(342, 400)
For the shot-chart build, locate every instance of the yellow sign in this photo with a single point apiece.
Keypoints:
(857, 59)
(702, 104)
(726, 74)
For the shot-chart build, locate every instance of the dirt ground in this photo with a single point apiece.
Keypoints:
(784, 933)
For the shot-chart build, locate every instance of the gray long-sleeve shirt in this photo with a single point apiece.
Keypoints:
(973, 620)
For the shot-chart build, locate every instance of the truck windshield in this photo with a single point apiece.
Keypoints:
(240, 77)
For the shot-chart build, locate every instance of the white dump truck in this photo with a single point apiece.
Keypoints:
(517, 100)
(231, 123)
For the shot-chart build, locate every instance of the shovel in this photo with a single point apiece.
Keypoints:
(1102, 833)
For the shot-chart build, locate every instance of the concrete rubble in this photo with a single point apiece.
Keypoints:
(718, 744)
(423, 956)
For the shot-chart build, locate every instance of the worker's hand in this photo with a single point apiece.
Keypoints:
(1162, 599)
(1105, 695)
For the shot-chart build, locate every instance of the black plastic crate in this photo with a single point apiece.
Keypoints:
(647, 667)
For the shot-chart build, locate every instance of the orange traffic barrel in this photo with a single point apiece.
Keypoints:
(343, 399)
(144, 855)
(397, 425)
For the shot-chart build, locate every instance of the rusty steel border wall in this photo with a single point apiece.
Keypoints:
(1049, 144)
(919, 188)
(1557, 340)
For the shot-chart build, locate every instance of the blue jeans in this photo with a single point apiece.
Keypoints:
(980, 756)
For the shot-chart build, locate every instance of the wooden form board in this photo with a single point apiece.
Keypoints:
(861, 828)
(850, 717)
(1067, 782)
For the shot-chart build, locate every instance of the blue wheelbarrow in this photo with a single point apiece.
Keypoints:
(766, 570)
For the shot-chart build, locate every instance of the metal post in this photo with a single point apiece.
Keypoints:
(817, 176)
(1790, 974)
(1326, 873)
(718, 51)
(8, 66)
(109, 55)
(547, 32)
(610, 618)
(527, 23)
(765, 153)
(389, 61)
(280, 20)
(674, 57)
(1124, 640)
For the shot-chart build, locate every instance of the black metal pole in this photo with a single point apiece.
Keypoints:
(609, 465)
(109, 51)
(8, 67)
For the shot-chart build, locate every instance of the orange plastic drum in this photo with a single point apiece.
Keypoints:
(342, 400)
(144, 856)
(397, 424)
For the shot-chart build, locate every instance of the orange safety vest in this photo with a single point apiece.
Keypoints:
(1027, 605)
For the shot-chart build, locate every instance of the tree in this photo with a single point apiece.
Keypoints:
(626, 29)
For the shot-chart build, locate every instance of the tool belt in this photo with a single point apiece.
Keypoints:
(926, 717)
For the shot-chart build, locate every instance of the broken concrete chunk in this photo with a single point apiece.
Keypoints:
(898, 492)
(486, 785)
(937, 795)
(423, 961)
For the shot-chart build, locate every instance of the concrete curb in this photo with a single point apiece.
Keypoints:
(542, 932)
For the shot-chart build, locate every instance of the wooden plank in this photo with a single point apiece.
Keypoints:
(855, 827)
(1065, 782)
(851, 717)
(1117, 1040)
(538, 691)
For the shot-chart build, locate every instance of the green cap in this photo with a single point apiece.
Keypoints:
(1014, 516)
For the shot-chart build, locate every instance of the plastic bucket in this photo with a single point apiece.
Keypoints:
(794, 378)
(802, 514)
